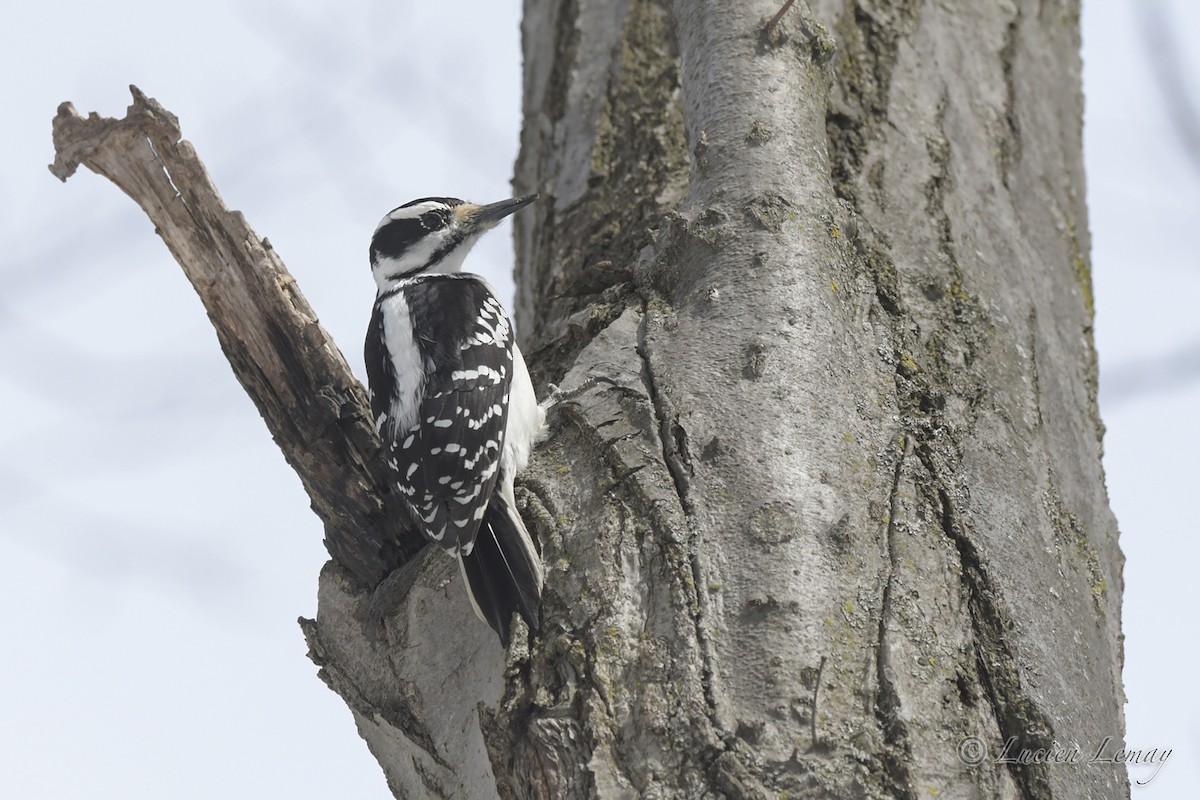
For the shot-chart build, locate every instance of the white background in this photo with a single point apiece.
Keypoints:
(155, 549)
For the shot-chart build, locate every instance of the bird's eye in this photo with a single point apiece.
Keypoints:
(435, 220)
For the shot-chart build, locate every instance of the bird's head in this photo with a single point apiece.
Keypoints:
(432, 234)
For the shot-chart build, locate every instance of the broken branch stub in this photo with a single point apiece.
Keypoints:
(315, 408)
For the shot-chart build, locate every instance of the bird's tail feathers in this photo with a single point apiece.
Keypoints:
(503, 572)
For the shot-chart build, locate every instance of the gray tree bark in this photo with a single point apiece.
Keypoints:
(849, 510)
(826, 510)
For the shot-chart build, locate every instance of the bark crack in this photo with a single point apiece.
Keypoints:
(167, 174)
(1033, 365)
(1015, 712)
(430, 783)
(896, 757)
(674, 445)
(1010, 144)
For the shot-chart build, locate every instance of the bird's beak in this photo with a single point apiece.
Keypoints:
(485, 217)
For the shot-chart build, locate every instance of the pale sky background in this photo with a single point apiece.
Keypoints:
(155, 549)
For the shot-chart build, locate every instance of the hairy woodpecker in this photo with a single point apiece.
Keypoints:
(452, 399)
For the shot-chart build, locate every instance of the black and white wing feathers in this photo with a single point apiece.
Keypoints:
(447, 460)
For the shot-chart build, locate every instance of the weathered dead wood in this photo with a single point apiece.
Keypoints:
(314, 406)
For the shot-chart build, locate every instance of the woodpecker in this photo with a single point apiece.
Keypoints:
(452, 399)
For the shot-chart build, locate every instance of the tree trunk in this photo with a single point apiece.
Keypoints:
(838, 506)
(825, 513)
